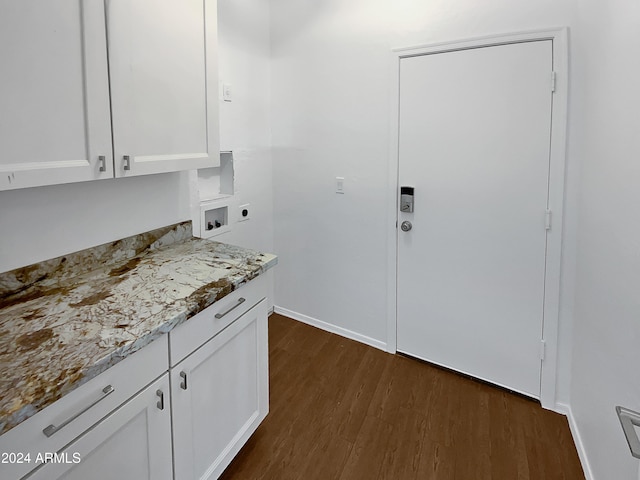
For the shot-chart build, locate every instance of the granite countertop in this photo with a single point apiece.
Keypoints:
(66, 320)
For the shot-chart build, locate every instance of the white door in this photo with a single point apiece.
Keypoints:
(55, 125)
(474, 133)
(164, 85)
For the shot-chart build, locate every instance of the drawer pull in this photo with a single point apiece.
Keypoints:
(51, 429)
(160, 403)
(240, 302)
(183, 383)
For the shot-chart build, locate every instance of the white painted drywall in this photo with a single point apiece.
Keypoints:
(606, 343)
(245, 129)
(45, 222)
(330, 100)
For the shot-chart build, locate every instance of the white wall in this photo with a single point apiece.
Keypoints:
(245, 129)
(606, 344)
(330, 97)
(45, 222)
(244, 63)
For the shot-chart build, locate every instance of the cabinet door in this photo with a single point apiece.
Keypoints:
(164, 83)
(220, 395)
(133, 443)
(54, 100)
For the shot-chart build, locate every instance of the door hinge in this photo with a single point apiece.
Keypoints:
(553, 82)
(543, 349)
(547, 219)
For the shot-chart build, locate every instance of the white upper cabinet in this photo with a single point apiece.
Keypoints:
(93, 89)
(55, 125)
(164, 85)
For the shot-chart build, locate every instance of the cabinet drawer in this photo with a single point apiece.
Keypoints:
(132, 443)
(83, 407)
(184, 339)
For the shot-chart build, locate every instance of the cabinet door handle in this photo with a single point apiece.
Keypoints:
(127, 162)
(102, 160)
(183, 383)
(240, 302)
(51, 429)
(160, 403)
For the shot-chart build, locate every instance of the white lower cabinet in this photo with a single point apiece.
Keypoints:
(220, 394)
(132, 443)
(213, 390)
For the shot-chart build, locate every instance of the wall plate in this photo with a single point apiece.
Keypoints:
(244, 212)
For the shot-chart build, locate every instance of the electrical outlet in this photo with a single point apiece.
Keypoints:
(244, 212)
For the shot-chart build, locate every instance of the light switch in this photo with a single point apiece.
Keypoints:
(226, 92)
(340, 185)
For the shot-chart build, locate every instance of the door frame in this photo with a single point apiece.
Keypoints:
(551, 310)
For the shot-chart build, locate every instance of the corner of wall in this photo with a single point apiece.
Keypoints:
(565, 409)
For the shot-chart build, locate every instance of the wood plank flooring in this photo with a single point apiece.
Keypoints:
(343, 410)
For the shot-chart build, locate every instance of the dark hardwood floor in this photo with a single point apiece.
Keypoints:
(343, 410)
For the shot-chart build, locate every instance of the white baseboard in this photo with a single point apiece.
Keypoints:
(565, 409)
(343, 332)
